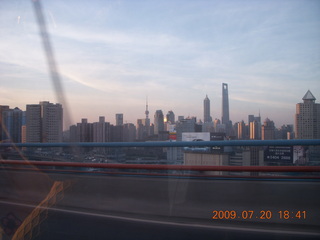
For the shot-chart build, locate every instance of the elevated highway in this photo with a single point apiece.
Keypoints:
(72, 200)
(70, 206)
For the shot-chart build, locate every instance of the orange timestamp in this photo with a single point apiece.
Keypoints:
(263, 214)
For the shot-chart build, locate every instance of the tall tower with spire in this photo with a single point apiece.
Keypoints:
(225, 104)
(206, 110)
(147, 119)
(225, 109)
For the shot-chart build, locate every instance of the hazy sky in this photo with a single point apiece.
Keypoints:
(113, 54)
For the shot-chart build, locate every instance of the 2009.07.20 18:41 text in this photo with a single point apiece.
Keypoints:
(263, 214)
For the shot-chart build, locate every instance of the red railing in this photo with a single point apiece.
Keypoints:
(166, 167)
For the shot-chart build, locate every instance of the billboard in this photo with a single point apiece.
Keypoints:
(203, 136)
(195, 136)
(278, 155)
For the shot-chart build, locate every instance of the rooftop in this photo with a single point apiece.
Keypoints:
(309, 96)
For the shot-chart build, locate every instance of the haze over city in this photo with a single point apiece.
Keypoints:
(112, 55)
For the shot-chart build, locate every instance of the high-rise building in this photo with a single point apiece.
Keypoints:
(12, 122)
(225, 105)
(185, 125)
(170, 117)
(206, 110)
(116, 133)
(285, 132)
(141, 129)
(73, 132)
(250, 119)
(225, 120)
(129, 132)
(2, 109)
(241, 130)
(147, 121)
(119, 119)
(33, 123)
(268, 130)
(307, 118)
(52, 122)
(158, 122)
(44, 122)
(255, 128)
(99, 130)
(83, 130)
(254, 124)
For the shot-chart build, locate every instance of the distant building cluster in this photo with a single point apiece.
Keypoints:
(40, 123)
(43, 122)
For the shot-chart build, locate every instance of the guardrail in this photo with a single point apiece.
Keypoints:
(167, 167)
(156, 167)
(188, 192)
(293, 142)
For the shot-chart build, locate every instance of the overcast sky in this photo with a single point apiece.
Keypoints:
(112, 54)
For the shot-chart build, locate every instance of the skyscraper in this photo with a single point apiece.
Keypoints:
(147, 121)
(33, 123)
(225, 105)
(170, 117)
(2, 109)
(268, 130)
(158, 122)
(99, 130)
(254, 124)
(206, 110)
(129, 132)
(52, 122)
(119, 119)
(255, 128)
(241, 133)
(141, 129)
(307, 118)
(13, 120)
(44, 122)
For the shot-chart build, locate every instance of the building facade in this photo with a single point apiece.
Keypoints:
(241, 130)
(268, 130)
(44, 122)
(3, 108)
(307, 118)
(33, 123)
(119, 119)
(226, 123)
(12, 122)
(158, 122)
(170, 117)
(225, 105)
(206, 110)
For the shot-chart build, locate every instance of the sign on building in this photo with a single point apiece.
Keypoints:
(278, 155)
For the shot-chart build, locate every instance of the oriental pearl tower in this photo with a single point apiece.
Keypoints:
(147, 119)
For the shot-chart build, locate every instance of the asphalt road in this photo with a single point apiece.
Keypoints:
(126, 207)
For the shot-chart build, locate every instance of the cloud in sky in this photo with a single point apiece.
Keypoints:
(112, 54)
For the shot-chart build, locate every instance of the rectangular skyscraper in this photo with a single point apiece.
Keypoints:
(33, 123)
(52, 122)
(119, 119)
(307, 118)
(158, 122)
(206, 110)
(44, 122)
(12, 122)
(225, 105)
(2, 109)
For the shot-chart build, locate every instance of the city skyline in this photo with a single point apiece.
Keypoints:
(118, 118)
(111, 55)
(43, 123)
